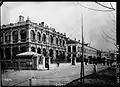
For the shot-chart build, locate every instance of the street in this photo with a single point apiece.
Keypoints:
(57, 76)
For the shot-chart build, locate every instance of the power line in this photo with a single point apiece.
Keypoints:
(94, 9)
(105, 6)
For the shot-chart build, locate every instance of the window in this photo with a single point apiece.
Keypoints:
(15, 36)
(60, 42)
(38, 36)
(69, 49)
(39, 50)
(7, 37)
(15, 51)
(74, 48)
(44, 38)
(23, 49)
(7, 53)
(51, 39)
(32, 33)
(57, 41)
(33, 49)
(63, 42)
(23, 35)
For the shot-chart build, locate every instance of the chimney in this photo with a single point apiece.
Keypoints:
(21, 18)
(42, 23)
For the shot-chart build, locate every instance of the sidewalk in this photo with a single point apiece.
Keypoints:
(62, 75)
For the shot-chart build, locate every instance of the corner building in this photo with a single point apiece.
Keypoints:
(28, 36)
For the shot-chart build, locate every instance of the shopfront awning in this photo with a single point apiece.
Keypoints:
(29, 54)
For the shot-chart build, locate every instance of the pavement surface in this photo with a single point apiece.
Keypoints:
(56, 76)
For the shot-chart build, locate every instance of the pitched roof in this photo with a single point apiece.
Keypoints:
(70, 41)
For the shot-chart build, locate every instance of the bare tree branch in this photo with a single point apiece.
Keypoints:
(93, 8)
(105, 6)
(108, 36)
(113, 31)
(111, 5)
(108, 40)
(112, 18)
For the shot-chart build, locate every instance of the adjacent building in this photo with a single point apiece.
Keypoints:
(74, 50)
(28, 36)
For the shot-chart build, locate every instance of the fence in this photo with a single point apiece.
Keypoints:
(30, 80)
(17, 64)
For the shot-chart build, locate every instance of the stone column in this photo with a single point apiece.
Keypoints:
(54, 40)
(76, 48)
(54, 52)
(19, 39)
(47, 39)
(3, 38)
(36, 40)
(71, 58)
(29, 49)
(28, 35)
(71, 49)
(19, 49)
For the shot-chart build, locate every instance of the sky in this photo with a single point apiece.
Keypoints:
(65, 17)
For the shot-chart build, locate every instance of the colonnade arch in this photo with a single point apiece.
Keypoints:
(23, 35)
(39, 50)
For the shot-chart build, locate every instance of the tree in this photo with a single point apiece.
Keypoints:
(109, 8)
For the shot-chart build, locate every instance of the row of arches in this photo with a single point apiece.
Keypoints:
(23, 36)
(58, 41)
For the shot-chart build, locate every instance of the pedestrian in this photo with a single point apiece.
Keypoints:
(58, 63)
(85, 61)
(47, 62)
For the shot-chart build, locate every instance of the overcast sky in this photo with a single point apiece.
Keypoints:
(65, 17)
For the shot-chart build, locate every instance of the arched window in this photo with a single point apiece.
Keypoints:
(38, 36)
(63, 43)
(23, 49)
(15, 36)
(44, 52)
(69, 49)
(74, 48)
(15, 51)
(60, 41)
(57, 41)
(32, 33)
(51, 39)
(23, 35)
(39, 50)
(7, 53)
(1, 37)
(50, 52)
(33, 49)
(7, 37)
(44, 38)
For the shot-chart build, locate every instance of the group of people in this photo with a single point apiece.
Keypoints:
(98, 60)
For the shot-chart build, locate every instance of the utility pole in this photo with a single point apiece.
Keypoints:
(82, 60)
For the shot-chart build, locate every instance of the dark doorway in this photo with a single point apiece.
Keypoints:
(73, 59)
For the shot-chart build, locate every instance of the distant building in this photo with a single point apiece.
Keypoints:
(74, 50)
(28, 36)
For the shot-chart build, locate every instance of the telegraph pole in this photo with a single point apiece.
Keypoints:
(82, 60)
